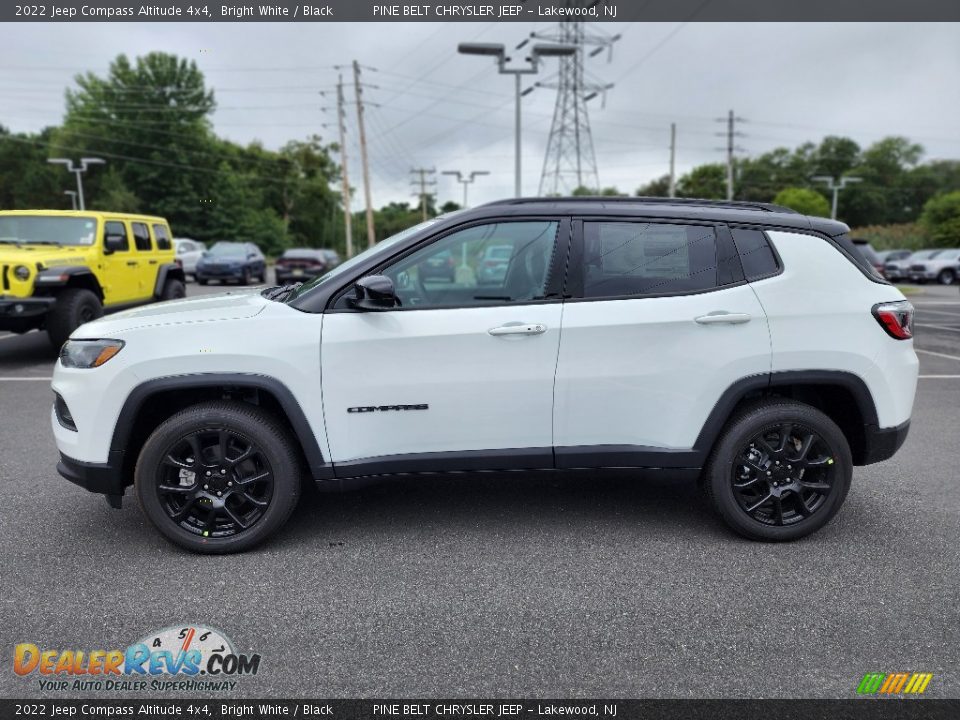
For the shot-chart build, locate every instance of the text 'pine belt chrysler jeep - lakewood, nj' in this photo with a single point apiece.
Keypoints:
(60, 269)
(742, 344)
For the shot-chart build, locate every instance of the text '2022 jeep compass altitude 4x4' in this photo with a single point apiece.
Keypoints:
(60, 269)
(745, 344)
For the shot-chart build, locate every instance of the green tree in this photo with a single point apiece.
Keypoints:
(941, 219)
(27, 181)
(803, 200)
(706, 181)
(659, 187)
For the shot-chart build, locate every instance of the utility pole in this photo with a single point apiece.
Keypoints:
(465, 181)
(673, 157)
(371, 238)
(78, 170)
(344, 180)
(423, 183)
(835, 187)
(730, 134)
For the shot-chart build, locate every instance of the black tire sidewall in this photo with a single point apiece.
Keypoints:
(745, 426)
(173, 289)
(64, 317)
(252, 424)
(946, 277)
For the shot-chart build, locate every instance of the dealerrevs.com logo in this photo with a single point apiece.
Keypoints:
(901, 683)
(179, 658)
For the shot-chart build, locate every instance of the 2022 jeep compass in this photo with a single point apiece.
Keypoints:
(743, 344)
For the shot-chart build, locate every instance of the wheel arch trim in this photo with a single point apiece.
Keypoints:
(304, 434)
(171, 269)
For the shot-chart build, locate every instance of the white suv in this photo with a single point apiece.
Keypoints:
(742, 344)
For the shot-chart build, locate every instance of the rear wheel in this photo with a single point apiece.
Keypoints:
(218, 477)
(173, 289)
(74, 307)
(202, 281)
(780, 471)
(947, 277)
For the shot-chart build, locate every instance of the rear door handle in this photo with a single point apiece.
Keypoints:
(519, 329)
(716, 318)
(132, 263)
(152, 262)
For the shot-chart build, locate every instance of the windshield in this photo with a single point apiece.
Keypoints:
(224, 250)
(924, 254)
(47, 230)
(357, 259)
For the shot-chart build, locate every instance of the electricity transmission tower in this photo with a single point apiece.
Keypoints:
(570, 161)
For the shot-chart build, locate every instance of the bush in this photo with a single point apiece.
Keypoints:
(803, 200)
(907, 236)
(941, 219)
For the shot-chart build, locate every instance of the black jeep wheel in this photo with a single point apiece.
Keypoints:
(780, 471)
(73, 308)
(173, 289)
(218, 477)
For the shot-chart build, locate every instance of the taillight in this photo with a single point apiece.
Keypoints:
(896, 318)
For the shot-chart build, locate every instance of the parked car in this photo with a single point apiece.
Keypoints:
(870, 254)
(494, 264)
(332, 258)
(300, 264)
(891, 256)
(227, 261)
(188, 253)
(687, 338)
(440, 266)
(941, 266)
(60, 269)
(898, 269)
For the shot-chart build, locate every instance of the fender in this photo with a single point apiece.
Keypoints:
(53, 277)
(319, 468)
(167, 269)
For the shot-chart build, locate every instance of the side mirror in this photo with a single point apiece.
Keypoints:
(374, 293)
(113, 243)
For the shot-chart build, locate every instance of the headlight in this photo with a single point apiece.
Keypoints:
(88, 353)
(22, 272)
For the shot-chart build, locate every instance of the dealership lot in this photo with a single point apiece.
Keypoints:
(506, 585)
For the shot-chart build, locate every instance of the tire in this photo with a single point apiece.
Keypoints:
(245, 280)
(947, 277)
(243, 424)
(74, 307)
(173, 289)
(802, 510)
(202, 281)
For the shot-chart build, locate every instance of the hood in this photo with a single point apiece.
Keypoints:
(48, 255)
(209, 308)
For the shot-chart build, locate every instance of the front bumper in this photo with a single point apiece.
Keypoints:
(105, 478)
(921, 275)
(216, 273)
(16, 307)
(882, 443)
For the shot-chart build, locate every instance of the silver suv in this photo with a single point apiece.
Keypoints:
(941, 266)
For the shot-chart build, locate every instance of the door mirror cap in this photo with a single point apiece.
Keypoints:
(374, 293)
(113, 243)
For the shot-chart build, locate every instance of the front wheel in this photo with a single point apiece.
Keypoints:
(947, 277)
(218, 477)
(780, 471)
(73, 308)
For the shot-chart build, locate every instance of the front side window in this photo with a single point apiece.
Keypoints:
(117, 229)
(491, 264)
(642, 258)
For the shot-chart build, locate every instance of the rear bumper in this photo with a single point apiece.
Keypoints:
(285, 275)
(105, 478)
(882, 443)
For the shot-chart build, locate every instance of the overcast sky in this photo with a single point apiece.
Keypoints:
(791, 82)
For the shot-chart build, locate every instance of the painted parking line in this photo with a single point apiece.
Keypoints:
(938, 377)
(940, 312)
(25, 379)
(938, 327)
(937, 354)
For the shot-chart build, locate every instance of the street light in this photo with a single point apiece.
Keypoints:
(836, 187)
(73, 197)
(498, 51)
(77, 170)
(466, 180)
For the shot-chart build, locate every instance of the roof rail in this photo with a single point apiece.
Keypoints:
(733, 204)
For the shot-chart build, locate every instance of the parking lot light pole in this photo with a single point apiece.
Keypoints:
(77, 170)
(835, 187)
(498, 51)
(73, 197)
(465, 181)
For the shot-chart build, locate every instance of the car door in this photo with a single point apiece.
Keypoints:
(120, 279)
(660, 324)
(148, 263)
(460, 376)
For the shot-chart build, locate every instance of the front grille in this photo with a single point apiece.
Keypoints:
(918, 268)
(6, 277)
(891, 266)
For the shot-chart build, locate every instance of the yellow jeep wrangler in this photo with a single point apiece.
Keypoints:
(60, 269)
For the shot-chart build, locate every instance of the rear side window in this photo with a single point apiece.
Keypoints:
(640, 258)
(163, 238)
(756, 255)
(141, 236)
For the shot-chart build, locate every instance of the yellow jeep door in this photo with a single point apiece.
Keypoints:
(147, 259)
(119, 278)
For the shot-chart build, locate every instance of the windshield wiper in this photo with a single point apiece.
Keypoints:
(280, 291)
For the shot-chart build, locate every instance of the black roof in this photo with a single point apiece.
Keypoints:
(729, 211)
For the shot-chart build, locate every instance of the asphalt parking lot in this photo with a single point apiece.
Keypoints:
(508, 586)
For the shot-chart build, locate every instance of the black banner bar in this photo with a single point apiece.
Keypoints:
(187, 709)
(481, 10)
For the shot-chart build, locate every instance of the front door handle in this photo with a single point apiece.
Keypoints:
(519, 329)
(132, 263)
(728, 318)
